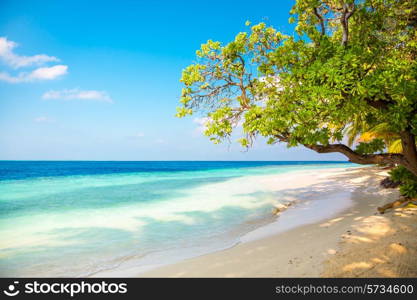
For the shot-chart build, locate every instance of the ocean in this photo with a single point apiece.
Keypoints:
(77, 218)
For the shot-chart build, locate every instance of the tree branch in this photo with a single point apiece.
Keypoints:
(355, 157)
(321, 20)
(347, 12)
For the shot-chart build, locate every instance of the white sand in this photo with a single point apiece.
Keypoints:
(299, 252)
(377, 246)
(284, 248)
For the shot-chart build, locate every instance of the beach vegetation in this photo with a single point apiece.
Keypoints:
(407, 180)
(348, 69)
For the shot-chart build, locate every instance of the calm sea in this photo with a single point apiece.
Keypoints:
(75, 218)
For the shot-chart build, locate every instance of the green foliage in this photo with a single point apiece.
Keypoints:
(308, 87)
(401, 174)
(408, 180)
(376, 145)
(409, 190)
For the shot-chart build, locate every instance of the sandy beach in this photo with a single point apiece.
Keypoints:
(358, 242)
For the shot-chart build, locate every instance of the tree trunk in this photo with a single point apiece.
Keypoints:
(408, 159)
(408, 142)
(364, 159)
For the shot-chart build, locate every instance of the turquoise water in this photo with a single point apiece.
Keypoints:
(78, 218)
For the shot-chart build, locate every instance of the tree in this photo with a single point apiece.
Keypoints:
(348, 63)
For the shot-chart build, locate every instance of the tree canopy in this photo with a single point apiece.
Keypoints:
(349, 66)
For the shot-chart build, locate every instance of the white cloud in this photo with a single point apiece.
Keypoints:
(45, 73)
(77, 94)
(201, 124)
(18, 61)
(43, 119)
(204, 121)
(48, 73)
(11, 79)
(139, 134)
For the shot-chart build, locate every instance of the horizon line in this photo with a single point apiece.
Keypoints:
(172, 160)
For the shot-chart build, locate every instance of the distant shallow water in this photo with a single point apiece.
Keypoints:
(79, 218)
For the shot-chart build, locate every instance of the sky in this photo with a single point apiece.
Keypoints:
(99, 80)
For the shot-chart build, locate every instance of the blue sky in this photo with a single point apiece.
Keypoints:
(99, 80)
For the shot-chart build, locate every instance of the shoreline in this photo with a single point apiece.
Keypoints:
(298, 252)
(302, 248)
(198, 213)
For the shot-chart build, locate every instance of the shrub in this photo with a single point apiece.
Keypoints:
(408, 181)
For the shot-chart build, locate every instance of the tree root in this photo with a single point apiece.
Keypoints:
(389, 184)
(395, 204)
